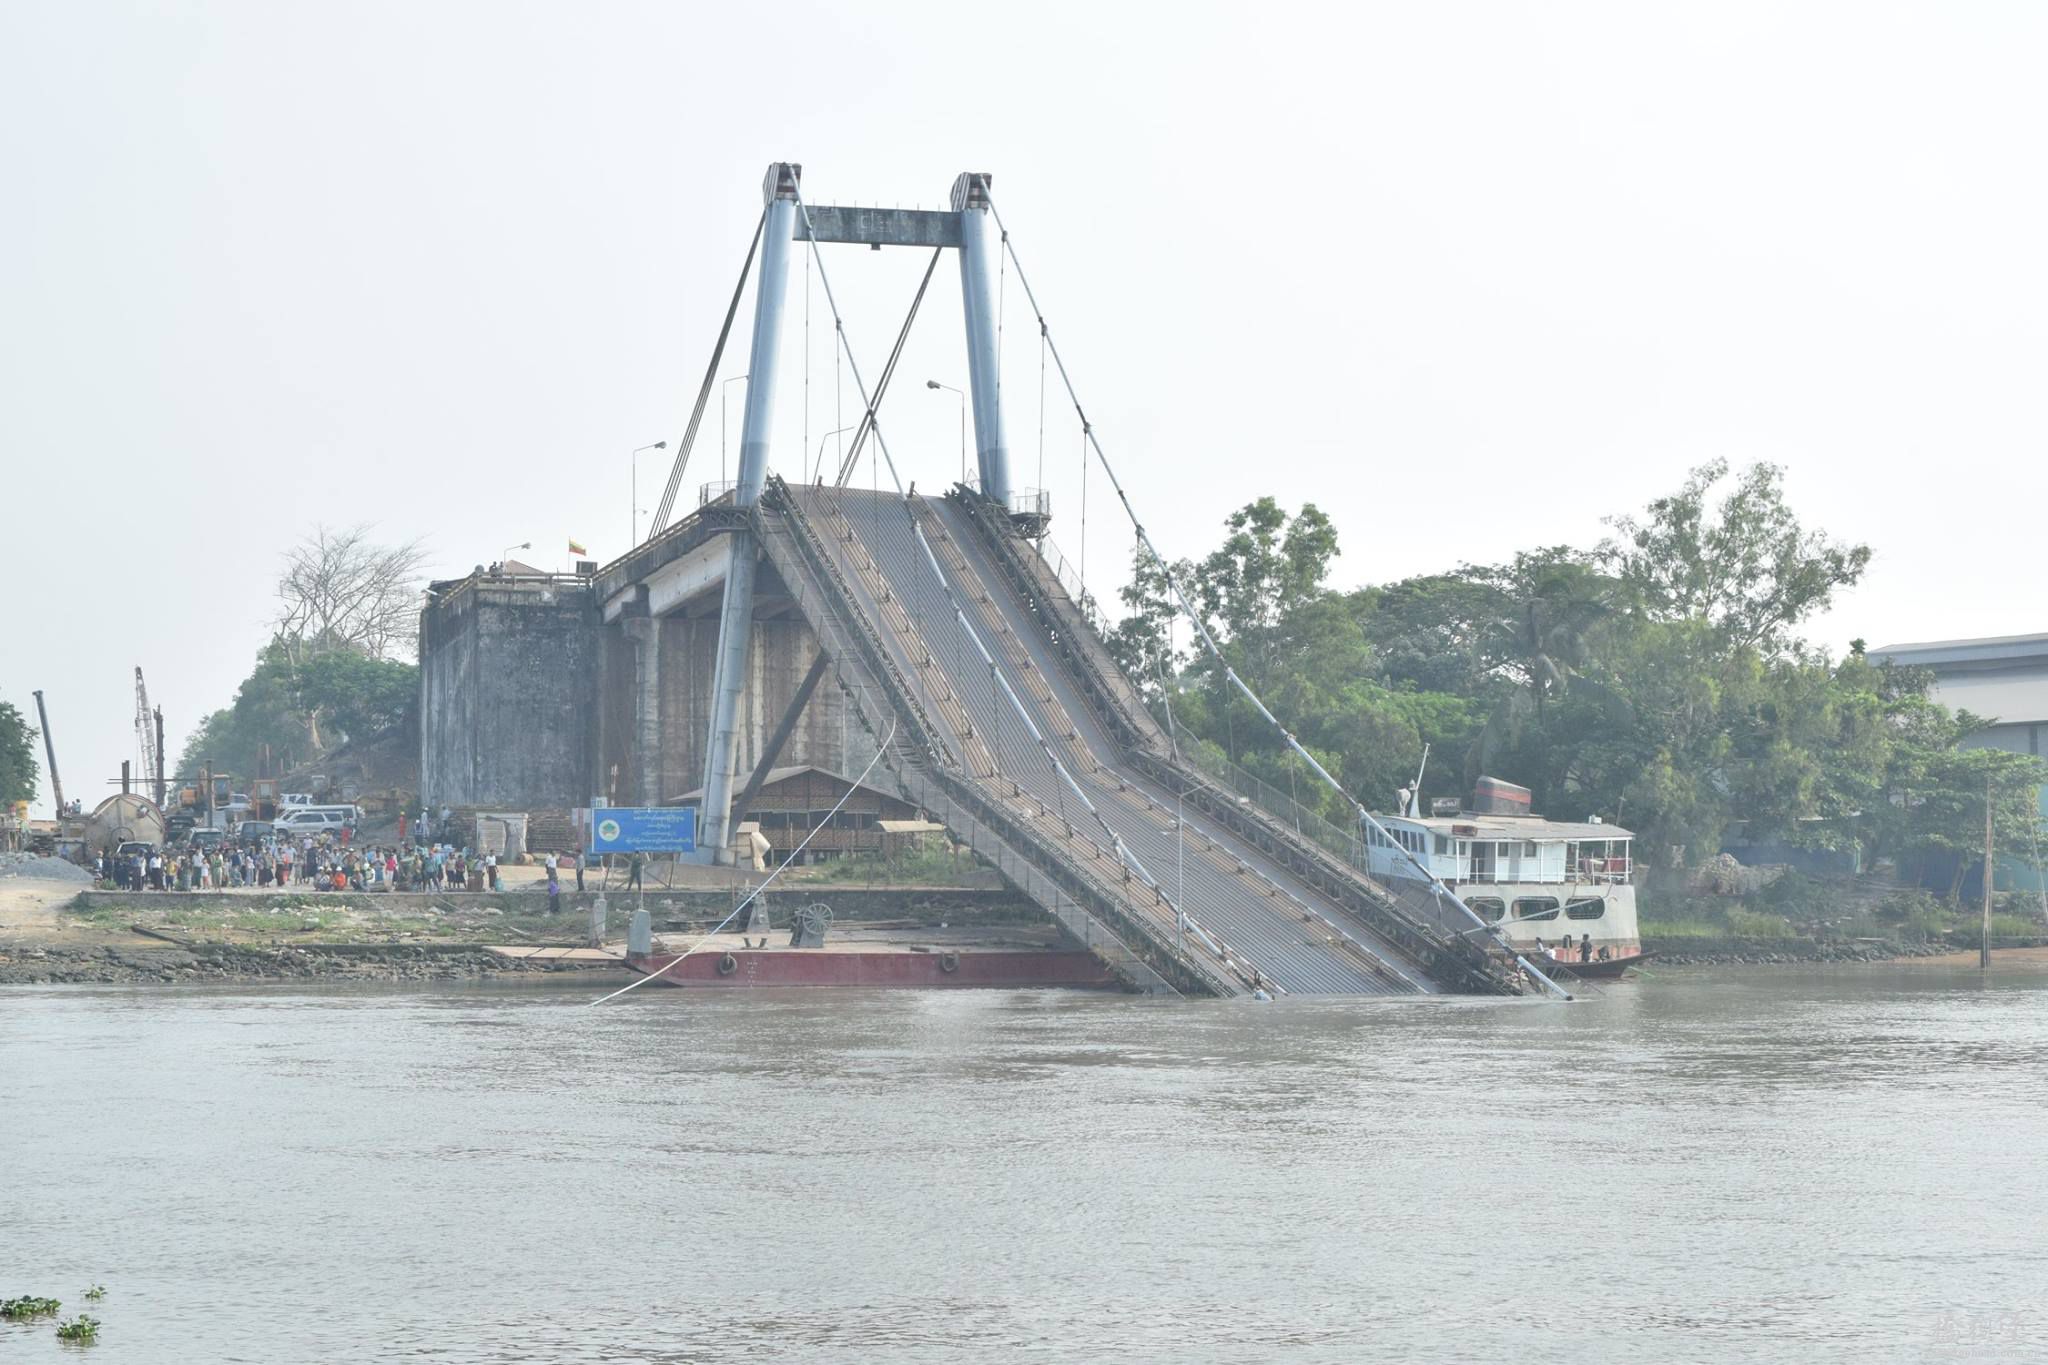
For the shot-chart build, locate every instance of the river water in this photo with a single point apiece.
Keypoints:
(1811, 1166)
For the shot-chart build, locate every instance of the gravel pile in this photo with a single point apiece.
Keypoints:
(41, 868)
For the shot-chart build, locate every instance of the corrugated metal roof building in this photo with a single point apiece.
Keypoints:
(2002, 678)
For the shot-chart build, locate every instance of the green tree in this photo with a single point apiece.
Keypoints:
(1746, 567)
(361, 697)
(1143, 643)
(18, 768)
(1658, 681)
(354, 698)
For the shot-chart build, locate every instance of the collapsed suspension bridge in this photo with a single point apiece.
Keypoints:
(963, 650)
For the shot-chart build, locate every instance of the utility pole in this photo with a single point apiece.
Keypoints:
(1984, 947)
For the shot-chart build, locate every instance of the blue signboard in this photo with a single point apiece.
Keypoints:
(644, 829)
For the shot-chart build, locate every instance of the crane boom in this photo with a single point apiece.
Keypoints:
(146, 739)
(50, 748)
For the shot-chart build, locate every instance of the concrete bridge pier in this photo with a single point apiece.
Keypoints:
(645, 632)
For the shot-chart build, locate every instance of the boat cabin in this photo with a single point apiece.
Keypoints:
(1540, 880)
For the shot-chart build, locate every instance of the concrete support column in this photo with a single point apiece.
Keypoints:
(980, 258)
(736, 616)
(646, 635)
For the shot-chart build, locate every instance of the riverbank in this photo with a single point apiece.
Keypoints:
(214, 963)
(51, 932)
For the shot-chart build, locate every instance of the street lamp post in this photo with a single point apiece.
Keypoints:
(818, 460)
(507, 551)
(721, 421)
(633, 529)
(935, 384)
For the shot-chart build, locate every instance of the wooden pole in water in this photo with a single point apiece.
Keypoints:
(1984, 947)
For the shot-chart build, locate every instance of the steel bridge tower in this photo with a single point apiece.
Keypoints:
(968, 227)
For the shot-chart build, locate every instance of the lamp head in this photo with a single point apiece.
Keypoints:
(932, 384)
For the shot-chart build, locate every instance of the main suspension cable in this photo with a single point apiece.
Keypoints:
(689, 441)
(1090, 439)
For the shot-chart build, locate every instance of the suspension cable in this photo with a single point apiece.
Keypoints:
(1123, 852)
(1084, 507)
(867, 420)
(689, 440)
(1041, 410)
(1090, 439)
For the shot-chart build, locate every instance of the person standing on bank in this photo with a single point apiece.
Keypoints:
(554, 892)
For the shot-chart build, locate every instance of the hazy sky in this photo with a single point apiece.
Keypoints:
(1470, 277)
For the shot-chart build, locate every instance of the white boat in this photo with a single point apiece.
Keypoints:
(1562, 889)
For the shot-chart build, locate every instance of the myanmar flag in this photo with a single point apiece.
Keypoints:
(576, 549)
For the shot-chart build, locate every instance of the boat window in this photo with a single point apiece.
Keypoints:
(1488, 908)
(1529, 848)
(1593, 907)
(1443, 844)
(1536, 907)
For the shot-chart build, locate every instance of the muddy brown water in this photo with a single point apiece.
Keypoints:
(1840, 1164)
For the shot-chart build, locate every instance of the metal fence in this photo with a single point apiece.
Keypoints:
(1068, 574)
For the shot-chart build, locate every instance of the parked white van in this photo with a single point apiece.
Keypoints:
(315, 819)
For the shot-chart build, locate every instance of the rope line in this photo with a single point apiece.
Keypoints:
(751, 895)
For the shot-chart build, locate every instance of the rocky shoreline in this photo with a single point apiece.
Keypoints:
(1784, 953)
(198, 963)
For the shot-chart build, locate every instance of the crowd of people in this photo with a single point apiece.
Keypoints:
(321, 864)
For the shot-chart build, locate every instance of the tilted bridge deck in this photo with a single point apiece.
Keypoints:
(1284, 918)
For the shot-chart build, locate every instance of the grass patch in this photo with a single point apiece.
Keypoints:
(94, 1294)
(1682, 926)
(2012, 926)
(1752, 924)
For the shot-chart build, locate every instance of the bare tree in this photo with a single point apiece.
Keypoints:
(341, 590)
